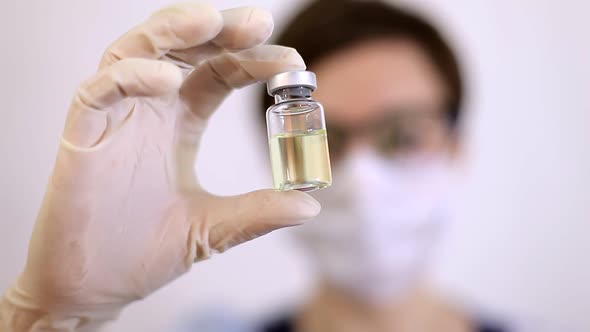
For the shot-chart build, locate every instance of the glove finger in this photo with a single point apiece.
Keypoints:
(243, 28)
(179, 26)
(237, 219)
(87, 119)
(211, 82)
(189, 33)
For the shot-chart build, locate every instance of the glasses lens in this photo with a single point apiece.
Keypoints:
(411, 134)
(402, 134)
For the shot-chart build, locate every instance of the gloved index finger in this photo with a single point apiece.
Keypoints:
(243, 28)
(180, 26)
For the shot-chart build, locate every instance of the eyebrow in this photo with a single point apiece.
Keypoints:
(388, 118)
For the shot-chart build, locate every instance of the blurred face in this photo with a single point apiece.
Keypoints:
(384, 95)
(390, 145)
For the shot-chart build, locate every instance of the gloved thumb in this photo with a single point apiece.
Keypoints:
(237, 219)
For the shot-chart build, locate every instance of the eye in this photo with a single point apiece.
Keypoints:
(399, 138)
(408, 139)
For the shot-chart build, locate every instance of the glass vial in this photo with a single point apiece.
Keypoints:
(297, 134)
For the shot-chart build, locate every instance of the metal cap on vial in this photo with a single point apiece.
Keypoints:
(291, 79)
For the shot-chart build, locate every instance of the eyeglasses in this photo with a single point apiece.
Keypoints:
(406, 133)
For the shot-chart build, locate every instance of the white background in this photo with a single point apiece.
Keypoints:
(520, 242)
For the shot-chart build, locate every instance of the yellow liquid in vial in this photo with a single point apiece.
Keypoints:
(300, 161)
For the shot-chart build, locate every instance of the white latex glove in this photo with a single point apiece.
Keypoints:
(124, 213)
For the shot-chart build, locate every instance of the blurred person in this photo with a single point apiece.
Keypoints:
(392, 90)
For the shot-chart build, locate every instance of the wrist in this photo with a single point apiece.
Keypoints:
(20, 312)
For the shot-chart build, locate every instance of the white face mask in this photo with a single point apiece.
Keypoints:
(378, 223)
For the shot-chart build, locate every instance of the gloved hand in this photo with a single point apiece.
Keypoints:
(124, 213)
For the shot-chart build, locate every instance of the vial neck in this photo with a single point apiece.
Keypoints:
(295, 93)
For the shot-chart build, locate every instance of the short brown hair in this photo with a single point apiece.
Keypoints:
(327, 26)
